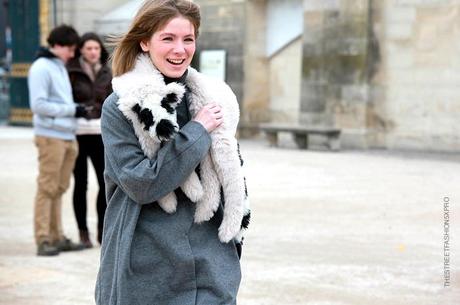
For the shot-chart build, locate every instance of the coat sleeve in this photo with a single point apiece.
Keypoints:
(147, 180)
(39, 80)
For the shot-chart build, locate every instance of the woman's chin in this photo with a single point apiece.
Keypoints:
(174, 71)
(175, 74)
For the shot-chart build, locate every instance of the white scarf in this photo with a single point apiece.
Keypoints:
(144, 86)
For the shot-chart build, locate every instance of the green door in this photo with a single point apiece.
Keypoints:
(25, 30)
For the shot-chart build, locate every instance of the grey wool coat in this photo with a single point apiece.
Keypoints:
(149, 257)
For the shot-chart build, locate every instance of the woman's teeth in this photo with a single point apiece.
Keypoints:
(175, 61)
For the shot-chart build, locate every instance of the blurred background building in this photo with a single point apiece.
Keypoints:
(386, 72)
(5, 56)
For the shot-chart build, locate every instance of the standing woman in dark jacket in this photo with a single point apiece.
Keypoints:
(91, 84)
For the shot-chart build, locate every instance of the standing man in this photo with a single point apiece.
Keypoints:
(54, 110)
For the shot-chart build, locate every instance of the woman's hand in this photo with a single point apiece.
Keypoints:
(210, 116)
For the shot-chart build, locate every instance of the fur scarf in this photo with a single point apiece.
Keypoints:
(150, 105)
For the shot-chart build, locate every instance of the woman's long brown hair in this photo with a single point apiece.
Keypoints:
(151, 17)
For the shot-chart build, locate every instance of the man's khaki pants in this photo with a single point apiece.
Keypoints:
(56, 160)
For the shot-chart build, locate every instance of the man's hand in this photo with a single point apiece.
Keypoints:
(83, 111)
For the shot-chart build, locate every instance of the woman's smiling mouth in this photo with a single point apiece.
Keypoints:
(175, 61)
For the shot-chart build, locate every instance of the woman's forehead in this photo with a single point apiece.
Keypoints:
(91, 42)
(177, 26)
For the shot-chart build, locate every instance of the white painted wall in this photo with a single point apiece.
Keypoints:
(284, 23)
(285, 79)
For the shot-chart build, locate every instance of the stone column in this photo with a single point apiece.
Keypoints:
(334, 66)
(256, 69)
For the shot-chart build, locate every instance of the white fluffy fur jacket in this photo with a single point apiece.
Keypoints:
(150, 105)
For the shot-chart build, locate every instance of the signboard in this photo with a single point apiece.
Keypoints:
(212, 63)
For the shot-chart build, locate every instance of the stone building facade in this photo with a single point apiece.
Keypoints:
(223, 28)
(81, 14)
(386, 72)
(415, 101)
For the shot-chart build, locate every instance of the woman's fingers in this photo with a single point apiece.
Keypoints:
(218, 115)
(213, 107)
(210, 116)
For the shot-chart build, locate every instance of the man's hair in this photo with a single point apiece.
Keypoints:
(63, 35)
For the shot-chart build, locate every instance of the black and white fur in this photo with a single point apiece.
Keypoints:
(222, 166)
(154, 120)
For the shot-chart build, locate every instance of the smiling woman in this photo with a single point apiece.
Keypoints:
(171, 49)
(168, 238)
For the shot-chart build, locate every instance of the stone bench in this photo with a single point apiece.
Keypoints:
(301, 134)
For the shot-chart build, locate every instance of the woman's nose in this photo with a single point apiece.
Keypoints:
(179, 47)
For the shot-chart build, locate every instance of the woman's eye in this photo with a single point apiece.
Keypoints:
(189, 40)
(167, 39)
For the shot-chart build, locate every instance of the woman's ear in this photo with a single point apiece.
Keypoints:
(145, 45)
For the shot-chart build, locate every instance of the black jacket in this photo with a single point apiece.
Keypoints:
(85, 91)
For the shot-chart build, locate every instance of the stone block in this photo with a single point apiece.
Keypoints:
(399, 56)
(351, 116)
(316, 118)
(313, 49)
(400, 31)
(355, 8)
(398, 141)
(404, 77)
(285, 78)
(320, 5)
(400, 15)
(355, 93)
(235, 71)
(427, 35)
(343, 69)
(313, 97)
(354, 139)
(423, 3)
(313, 21)
(444, 142)
(352, 46)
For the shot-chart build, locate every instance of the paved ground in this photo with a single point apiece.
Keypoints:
(346, 228)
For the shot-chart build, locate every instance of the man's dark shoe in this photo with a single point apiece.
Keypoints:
(68, 245)
(45, 249)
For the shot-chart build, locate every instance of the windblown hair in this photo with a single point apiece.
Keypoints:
(151, 17)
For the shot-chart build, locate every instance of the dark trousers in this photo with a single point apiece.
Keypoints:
(89, 146)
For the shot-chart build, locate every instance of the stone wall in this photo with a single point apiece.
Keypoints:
(82, 13)
(420, 74)
(255, 106)
(334, 67)
(223, 28)
(386, 72)
(272, 81)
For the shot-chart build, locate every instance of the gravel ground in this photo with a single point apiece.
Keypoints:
(347, 228)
